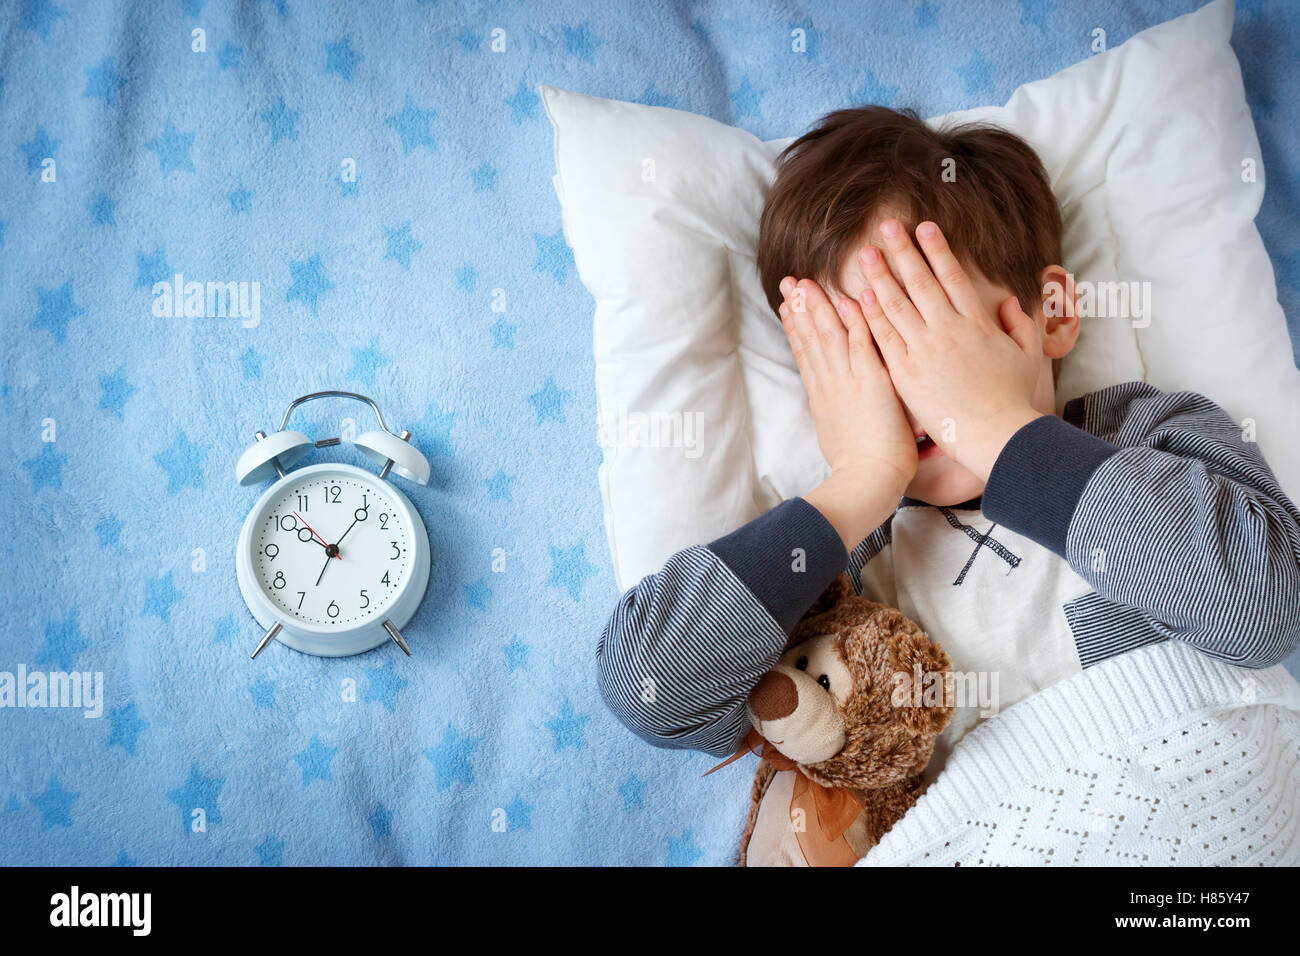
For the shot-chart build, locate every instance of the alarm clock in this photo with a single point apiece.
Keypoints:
(333, 559)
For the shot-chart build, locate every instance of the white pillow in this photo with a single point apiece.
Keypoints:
(1146, 146)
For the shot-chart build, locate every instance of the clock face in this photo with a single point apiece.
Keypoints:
(332, 549)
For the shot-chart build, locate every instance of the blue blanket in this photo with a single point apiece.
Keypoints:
(218, 140)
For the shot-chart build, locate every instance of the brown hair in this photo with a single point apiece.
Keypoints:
(998, 213)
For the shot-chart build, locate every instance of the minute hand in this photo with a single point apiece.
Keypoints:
(351, 526)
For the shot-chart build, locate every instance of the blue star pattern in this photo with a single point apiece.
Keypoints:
(309, 282)
(250, 363)
(40, 16)
(315, 760)
(874, 91)
(580, 42)
(109, 532)
(523, 103)
(553, 255)
(115, 390)
(225, 630)
(341, 59)
(653, 96)
(383, 685)
(228, 56)
(632, 790)
(38, 149)
(516, 655)
(452, 758)
(151, 268)
(198, 792)
(1035, 13)
(569, 569)
(103, 210)
(477, 594)
(568, 728)
(183, 463)
(402, 245)
(281, 120)
(519, 814)
(434, 430)
(381, 822)
(485, 178)
(125, 727)
(745, 99)
(46, 469)
(103, 82)
(57, 308)
(55, 805)
(263, 691)
(977, 73)
(503, 334)
(160, 595)
(683, 850)
(549, 401)
(270, 852)
(172, 147)
(412, 125)
(499, 486)
(367, 362)
(241, 200)
(64, 643)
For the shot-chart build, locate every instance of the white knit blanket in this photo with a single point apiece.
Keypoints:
(1158, 757)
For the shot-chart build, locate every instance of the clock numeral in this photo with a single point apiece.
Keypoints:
(332, 610)
(365, 500)
(332, 493)
(302, 502)
(272, 551)
(397, 552)
(279, 582)
(384, 580)
(383, 522)
(366, 596)
(301, 595)
(288, 523)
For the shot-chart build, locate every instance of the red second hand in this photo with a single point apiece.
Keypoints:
(313, 531)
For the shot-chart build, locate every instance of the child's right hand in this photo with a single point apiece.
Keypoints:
(861, 426)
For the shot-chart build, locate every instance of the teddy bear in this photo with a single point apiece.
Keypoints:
(842, 731)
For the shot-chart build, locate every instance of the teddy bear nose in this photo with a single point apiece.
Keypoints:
(774, 696)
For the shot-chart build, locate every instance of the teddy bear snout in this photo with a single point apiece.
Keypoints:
(774, 696)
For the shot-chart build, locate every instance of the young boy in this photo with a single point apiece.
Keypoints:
(1029, 545)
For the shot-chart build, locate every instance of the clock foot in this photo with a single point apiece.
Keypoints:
(268, 638)
(397, 638)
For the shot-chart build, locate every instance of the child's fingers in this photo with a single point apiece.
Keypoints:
(956, 283)
(832, 338)
(893, 349)
(893, 300)
(803, 342)
(922, 287)
(863, 357)
(1021, 327)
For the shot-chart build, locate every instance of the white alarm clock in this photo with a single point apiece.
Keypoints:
(333, 559)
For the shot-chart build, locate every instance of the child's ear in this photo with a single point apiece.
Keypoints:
(1060, 311)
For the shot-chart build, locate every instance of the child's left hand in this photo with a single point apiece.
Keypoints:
(967, 376)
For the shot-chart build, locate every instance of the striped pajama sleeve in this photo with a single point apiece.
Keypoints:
(683, 648)
(1160, 505)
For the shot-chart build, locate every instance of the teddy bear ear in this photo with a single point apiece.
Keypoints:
(925, 708)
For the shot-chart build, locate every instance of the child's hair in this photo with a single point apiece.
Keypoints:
(984, 186)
